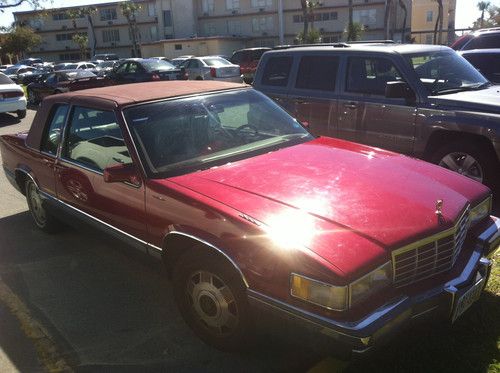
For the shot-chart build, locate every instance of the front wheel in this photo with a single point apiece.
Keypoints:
(42, 218)
(21, 114)
(468, 159)
(211, 298)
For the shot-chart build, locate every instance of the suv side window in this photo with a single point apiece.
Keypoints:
(94, 139)
(277, 71)
(52, 136)
(370, 75)
(484, 42)
(317, 73)
(237, 58)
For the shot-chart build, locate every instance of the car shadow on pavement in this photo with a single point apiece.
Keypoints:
(108, 307)
(7, 119)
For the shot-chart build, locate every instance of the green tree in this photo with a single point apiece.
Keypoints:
(303, 5)
(402, 5)
(4, 4)
(483, 6)
(438, 27)
(312, 37)
(387, 19)
(129, 11)
(20, 40)
(82, 41)
(493, 19)
(350, 23)
(78, 38)
(354, 31)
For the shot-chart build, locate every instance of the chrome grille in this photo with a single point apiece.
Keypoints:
(430, 256)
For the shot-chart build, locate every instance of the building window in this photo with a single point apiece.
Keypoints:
(428, 39)
(365, 16)
(261, 3)
(263, 24)
(167, 18)
(298, 18)
(330, 39)
(178, 47)
(110, 35)
(107, 14)
(153, 32)
(334, 15)
(429, 16)
(69, 57)
(232, 4)
(209, 29)
(65, 37)
(233, 27)
(208, 6)
(151, 9)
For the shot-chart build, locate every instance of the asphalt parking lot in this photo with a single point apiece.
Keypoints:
(82, 301)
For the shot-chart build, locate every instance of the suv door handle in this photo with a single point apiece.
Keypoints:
(351, 105)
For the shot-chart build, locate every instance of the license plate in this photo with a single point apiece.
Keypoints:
(467, 299)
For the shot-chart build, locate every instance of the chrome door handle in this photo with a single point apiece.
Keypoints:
(351, 105)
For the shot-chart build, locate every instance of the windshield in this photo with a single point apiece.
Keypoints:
(11, 70)
(157, 65)
(189, 134)
(5, 79)
(106, 64)
(445, 71)
(216, 61)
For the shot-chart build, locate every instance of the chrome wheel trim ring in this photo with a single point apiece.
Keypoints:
(212, 302)
(35, 204)
(464, 164)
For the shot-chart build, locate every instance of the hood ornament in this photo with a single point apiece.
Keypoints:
(439, 207)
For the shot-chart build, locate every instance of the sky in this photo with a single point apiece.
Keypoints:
(467, 11)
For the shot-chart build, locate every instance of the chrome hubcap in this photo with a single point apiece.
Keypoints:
(464, 164)
(213, 302)
(36, 207)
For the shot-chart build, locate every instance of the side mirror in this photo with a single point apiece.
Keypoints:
(122, 173)
(399, 89)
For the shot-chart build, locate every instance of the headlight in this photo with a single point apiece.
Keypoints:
(319, 293)
(480, 211)
(370, 283)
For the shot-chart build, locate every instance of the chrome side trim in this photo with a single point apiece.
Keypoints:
(99, 221)
(233, 263)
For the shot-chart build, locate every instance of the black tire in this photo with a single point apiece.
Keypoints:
(41, 217)
(486, 163)
(224, 323)
(21, 114)
(199, 78)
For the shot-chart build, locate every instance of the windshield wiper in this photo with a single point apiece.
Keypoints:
(472, 87)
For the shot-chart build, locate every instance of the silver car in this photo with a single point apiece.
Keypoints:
(212, 68)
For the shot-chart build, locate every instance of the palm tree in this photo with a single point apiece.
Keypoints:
(439, 23)
(483, 6)
(402, 5)
(129, 9)
(303, 5)
(387, 16)
(311, 5)
(350, 27)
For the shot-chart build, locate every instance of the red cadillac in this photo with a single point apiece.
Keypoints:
(248, 211)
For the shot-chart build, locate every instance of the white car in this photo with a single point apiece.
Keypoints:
(12, 98)
(212, 68)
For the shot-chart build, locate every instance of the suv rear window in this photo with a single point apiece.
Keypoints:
(277, 71)
(484, 42)
(318, 73)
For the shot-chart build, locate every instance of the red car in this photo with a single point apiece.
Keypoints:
(250, 212)
(248, 59)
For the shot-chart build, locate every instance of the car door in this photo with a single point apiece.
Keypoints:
(314, 95)
(119, 75)
(93, 140)
(366, 115)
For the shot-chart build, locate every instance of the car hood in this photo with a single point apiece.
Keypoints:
(361, 202)
(486, 100)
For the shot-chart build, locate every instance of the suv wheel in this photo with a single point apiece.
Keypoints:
(211, 298)
(467, 160)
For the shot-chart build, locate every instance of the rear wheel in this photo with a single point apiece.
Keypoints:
(21, 114)
(42, 218)
(211, 298)
(468, 159)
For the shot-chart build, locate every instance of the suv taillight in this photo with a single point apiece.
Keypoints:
(213, 72)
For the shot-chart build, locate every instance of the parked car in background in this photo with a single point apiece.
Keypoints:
(30, 61)
(144, 70)
(64, 81)
(104, 57)
(251, 214)
(105, 67)
(422, 100)
(5, 67)
(161, 58)
(17, 72)
(248, 60)
(178, 61)
(36, 75)
(487, 61)
(12, 98)
(76, 66)
(212, 68)
(481, 39)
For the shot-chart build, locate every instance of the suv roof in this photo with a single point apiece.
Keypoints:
(372, 47)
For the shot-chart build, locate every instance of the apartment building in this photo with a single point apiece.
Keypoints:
(423, 21)
(175, 27)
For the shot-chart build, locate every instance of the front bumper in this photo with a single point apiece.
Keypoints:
(442, 301)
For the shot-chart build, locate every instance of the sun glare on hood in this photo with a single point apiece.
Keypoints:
(291, 229)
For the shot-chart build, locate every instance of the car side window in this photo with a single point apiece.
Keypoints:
(122, 68)
(370, 75)
(94, 139)
(317, 73)
(277, 71)
(52, 136)
(484, 42)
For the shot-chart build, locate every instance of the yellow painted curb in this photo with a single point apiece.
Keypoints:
(45, 347)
